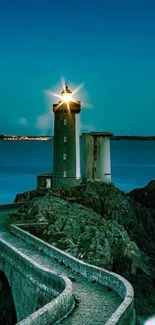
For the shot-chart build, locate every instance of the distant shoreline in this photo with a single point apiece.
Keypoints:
(47, 138)
(25, 138)
(132, 137)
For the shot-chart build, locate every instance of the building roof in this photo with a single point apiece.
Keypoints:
(66, 90)
(99, 134)
(45, 175)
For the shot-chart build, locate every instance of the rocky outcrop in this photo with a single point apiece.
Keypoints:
(29, 195)
(104, 226)
(145, 195)
(84, 234)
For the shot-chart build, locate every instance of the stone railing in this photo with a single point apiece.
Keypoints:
(125, 314)
(58, 286)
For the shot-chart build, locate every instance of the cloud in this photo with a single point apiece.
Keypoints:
(22, 121)
(44, 122)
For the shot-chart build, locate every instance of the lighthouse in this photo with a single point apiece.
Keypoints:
(95, 148)
(66, 153)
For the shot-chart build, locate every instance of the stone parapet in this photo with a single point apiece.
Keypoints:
(37, 280)
(125, 314)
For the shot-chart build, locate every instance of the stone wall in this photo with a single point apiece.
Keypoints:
(31, 283)
(125, 314)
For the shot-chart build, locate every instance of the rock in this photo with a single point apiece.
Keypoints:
(145, 195)
(30, 195)
(103, 226)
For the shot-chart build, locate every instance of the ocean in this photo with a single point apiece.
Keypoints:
(132, 162)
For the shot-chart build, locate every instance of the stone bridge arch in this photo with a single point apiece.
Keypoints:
(23, 289)
(7, 306)
(33, 287)
(11, 276)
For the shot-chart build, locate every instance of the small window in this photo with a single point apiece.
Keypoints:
(65, 173)
(65, 139)
(65, 121)
(64, 156)
(48, 183)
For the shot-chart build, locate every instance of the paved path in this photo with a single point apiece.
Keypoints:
(94, 303)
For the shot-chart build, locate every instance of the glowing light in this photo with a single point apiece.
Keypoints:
(67, 97)
(78, 88)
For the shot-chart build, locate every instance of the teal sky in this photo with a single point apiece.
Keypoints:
(110, 45)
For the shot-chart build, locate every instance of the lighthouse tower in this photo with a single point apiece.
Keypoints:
(66, 154)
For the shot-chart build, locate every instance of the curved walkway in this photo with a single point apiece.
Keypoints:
(95, 304)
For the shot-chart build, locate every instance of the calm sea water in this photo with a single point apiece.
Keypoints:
(133, 164)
